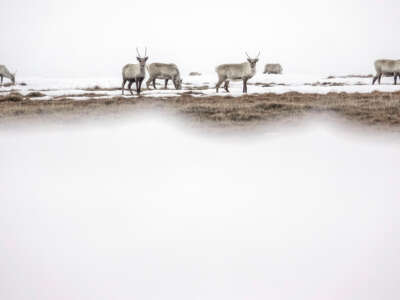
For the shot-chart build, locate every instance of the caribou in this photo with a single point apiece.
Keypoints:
(7, 74)
(243, 71)
(386, 67)
(135, 73)
(164, 71)
(273, 69)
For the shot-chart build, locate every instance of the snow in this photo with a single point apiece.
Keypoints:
(146, 210)
(204, 85)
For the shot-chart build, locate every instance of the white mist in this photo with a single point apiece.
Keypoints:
(144, 210)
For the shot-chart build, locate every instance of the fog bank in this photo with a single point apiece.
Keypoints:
(144, 210)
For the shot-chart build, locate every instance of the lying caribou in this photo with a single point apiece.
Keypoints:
(7, 74)
(243, 71)
(164, 71)
(386, 67)
(273, 69)
(134, 73)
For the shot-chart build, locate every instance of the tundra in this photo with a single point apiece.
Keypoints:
(7, 74)
(273, 69)
(134, 73)
(164, 71)
(384, 67)
(243, 71)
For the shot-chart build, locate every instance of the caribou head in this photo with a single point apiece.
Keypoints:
(142, 60)
(253, 61)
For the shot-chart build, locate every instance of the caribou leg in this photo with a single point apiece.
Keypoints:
(1, 84)
(245, 85)
(140, 84)
(395, 78)
(166, 83)
(220, 81)
(380, 77)
(174, 82)
(226, 86)
(154, 83)
(123, 86)
(375, 79)
(137, 87)
(130, 85)
(148, 82)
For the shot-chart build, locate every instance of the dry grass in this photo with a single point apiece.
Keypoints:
(375, 109)
(97, 88)
(351, 76)
(326, 84)
(12, 97)
(8, 84)
(270, 84)
(196, 88)
(89, 95)
(35, 95)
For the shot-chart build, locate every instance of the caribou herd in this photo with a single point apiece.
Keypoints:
(135, 73)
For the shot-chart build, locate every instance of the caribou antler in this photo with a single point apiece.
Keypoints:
(145, 54)
(259, 52)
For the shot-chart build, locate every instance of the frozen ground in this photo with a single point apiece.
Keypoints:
(202, 86)
(144, 210)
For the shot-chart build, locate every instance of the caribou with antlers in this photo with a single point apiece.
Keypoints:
(135, 73)
(243, 71)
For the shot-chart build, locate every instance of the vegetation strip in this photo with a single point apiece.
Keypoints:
(377, 108)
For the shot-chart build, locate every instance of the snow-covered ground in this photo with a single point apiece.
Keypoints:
(204, 85)
(146, 210)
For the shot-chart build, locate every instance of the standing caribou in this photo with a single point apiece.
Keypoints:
(134, 73)
(243, 71)
(7, 74)
(164, 71)
(386, 67)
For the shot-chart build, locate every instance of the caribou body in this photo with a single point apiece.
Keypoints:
(243, 71)
(7, 74)
(273, 69)
(166, 72)
(386, 67)
(135, 73)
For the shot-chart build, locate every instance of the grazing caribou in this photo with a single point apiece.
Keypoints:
(385, 67)
(164, 71)
(243, 71)
(134, 73)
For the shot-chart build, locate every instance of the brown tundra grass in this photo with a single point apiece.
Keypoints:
(375, 109)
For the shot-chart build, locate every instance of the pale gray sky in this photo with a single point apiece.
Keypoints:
(96, 38)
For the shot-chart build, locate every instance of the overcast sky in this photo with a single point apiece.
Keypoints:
(96, 38)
